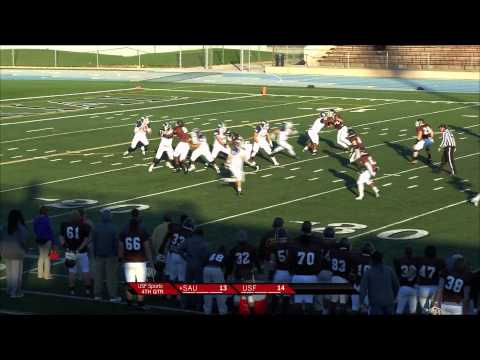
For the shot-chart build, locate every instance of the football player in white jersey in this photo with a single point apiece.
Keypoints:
(313, 139)
(220, 144)
(282, 140)
(199, 145)
(342, 133)
(263, 141)
(142, 128)
(166, 135)
(235, 162)
(366, 175)
(248, 147)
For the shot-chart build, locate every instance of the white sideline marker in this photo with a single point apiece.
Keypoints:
(11, 149)
(55, 160)
(387, 184)
(75, 161)
(317, 170)
(95, 162)
(438, 188)
(115, 164)
(267, 175)
(293, 169)
(289, 177)
(412, 186)
(437, 179)
(412, 177)
(315, 178)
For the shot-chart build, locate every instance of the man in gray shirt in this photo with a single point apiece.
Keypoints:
(105, 245)
(381, 285)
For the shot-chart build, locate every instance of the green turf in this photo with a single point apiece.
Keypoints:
(324, 200)
(189, 58)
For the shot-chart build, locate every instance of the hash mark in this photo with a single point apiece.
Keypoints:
(318, 170)
(315, 178)
(115, 164)
(289, 177)
(95, 162)
(387, 184)
(337, 180)
(438, 188)
(412, 186)
(264, 176)
(437, 179)
(412, 177)
(293, 169)
(55, 160)
(75, 161)
(109, 155)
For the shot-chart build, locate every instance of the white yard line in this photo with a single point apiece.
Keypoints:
(409, 219)
(195, 117)
(71, 94)
(67, 179)
(315, 195)
(35, 130)
(130, 110)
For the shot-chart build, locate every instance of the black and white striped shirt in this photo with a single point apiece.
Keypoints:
(447, 139)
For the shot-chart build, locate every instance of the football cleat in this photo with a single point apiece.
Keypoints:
(475, 200)
(169, 165)
(150, 168)
(359, 198)
(192, 167)
(125, 153)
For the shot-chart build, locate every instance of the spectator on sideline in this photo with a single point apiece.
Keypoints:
(105, 252)
(381, 285)
(159, 237)
(13, 247)
(44, 237)
(196, 253)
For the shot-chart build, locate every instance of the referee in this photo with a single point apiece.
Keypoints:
(448, 146)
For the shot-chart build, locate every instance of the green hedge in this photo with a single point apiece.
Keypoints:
(190, 58)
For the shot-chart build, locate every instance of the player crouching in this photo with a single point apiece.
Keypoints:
(424, 140)
(282, 140)
(183, 146)
(142, 128)
(166, 135)
(200, 147)
(263, 141)
(235, 162)
(366, 175)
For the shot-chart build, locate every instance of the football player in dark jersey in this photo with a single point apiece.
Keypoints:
(278, 254)
(428, 271)
(326, 243)
(74, 237)
(134, 251)
(425, 136)
(177, 265)
(304, 265)
(361, 262)
(243, 259)
(406, 269)
(340, 265)
(214, 272)
(267, 240)
(454, 288)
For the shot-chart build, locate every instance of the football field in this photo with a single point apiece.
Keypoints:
(62, 145)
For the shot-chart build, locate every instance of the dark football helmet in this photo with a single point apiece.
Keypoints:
(367, 248)
(329, 232)
(344, 244)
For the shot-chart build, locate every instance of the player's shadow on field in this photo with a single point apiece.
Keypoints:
(350, 182)
(341, 159)
(462, 129)
(302, 139)
(330, 143)
(461, 185)
(406, 152)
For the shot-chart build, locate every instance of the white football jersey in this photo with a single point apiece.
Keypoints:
(284, 134)
(261, 131)
(237, 157)
(317, 125)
